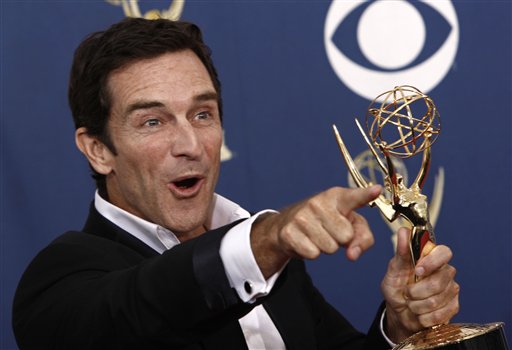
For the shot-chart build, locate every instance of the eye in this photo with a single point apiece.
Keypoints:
(203, 115)
(152, 122)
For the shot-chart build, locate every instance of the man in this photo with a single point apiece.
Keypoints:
(165, 263)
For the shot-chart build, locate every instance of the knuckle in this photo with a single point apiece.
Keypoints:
(311, 253)
(432, 304)
(335, 191)
(456, 288)
(423, 321)
(286, 233)
(315, 203)
(438, 317)
(434, 286)
(356, 217)
(449, 251)
(456, 306)
(430, 319)
(346, 235)
(369, 240)
(331, 248)
(301, 219)
(452, 271)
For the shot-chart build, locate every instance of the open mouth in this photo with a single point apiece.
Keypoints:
(186, 183)
(187, 186)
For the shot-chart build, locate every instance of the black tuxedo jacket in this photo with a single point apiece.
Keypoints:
(102, 288)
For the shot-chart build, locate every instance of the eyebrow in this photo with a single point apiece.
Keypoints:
(143, 105)
(206, 96)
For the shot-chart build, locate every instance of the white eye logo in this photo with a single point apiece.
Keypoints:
(375, 45)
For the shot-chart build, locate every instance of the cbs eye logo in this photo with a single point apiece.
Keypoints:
(375, 45)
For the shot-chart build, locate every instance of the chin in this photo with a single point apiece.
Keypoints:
(187, 227)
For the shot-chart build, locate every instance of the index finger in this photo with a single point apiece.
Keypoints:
(363, 237)
(357, 197)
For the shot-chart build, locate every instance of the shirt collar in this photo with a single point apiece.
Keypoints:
(160, 238)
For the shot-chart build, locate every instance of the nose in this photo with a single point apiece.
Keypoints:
(186, 141)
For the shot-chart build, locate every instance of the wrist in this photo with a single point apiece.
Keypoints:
(265, 246)
(393, 327)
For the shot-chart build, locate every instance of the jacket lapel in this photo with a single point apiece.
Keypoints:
(98, 225)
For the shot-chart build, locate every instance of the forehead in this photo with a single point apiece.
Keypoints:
(177, 75)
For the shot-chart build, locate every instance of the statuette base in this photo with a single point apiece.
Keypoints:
(457, 337)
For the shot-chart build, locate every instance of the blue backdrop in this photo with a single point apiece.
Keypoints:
(289, 70)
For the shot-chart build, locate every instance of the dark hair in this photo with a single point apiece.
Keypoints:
(131, 40)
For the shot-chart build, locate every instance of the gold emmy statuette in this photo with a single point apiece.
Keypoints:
(402, 123)
(131, 8)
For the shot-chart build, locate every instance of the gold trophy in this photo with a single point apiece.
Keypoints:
(402, 123)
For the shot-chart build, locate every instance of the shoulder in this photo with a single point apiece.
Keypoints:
(75, 250)
(82, 241)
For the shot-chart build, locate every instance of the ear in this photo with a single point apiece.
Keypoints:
(96, 152)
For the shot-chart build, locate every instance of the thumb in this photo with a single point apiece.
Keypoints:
(358, 197)
(403, 249)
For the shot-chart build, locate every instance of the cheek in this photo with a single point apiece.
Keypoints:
(213, 143)
(140, 159)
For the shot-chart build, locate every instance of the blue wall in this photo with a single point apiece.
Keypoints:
(282, 93)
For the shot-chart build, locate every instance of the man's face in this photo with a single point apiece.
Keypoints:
(166, 128)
